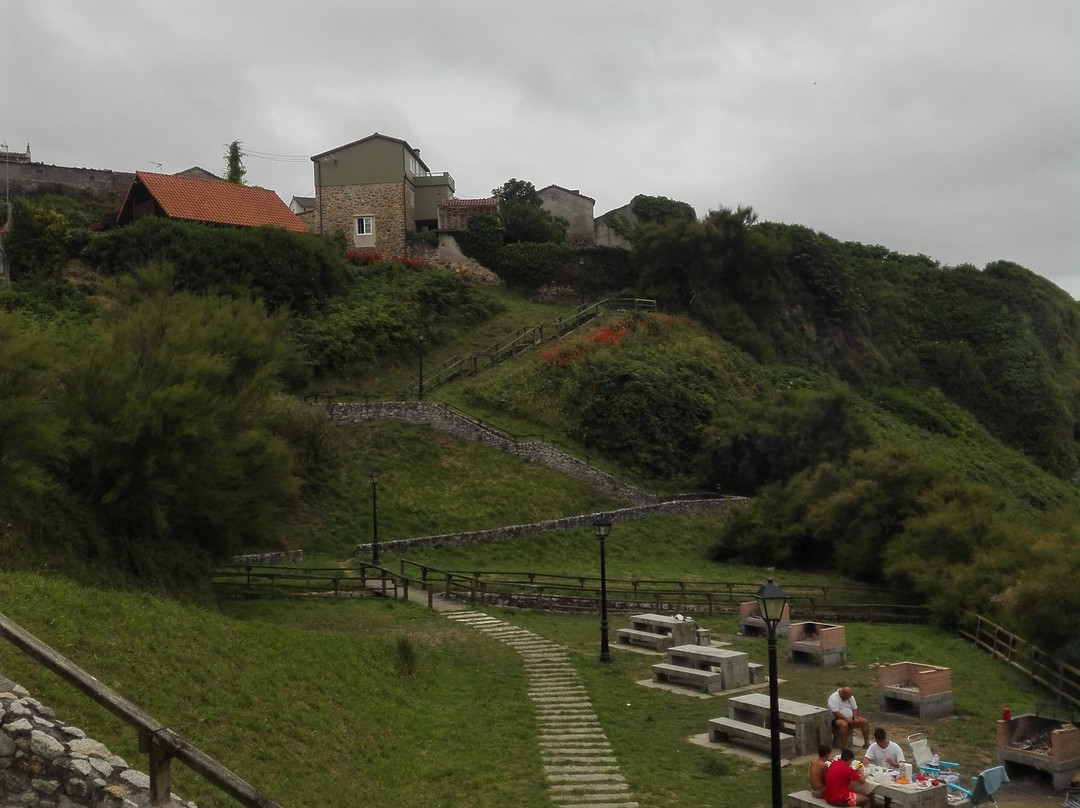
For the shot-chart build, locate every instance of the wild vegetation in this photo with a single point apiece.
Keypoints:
(908, 424)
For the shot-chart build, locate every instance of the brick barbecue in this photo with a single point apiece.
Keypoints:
(925, 690)
(824, 644)
(1042, 743)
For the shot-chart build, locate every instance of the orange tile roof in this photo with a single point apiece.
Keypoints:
(217, 202)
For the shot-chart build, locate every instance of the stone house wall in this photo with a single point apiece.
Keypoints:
(338, 206)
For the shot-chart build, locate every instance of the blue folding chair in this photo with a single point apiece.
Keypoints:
(924, 760)
(986, 783)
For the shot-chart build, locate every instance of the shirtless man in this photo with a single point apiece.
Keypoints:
(815, 773)
(845, 716)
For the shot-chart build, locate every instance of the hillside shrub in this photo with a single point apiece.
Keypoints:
(529, 266)
(172, 442)
(36, 246)
(482, 241)
(298, 271)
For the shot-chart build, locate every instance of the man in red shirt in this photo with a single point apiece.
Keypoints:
(838, 781)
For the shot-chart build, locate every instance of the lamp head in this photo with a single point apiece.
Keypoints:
(771, 601)
(374, 476)
(602, 527)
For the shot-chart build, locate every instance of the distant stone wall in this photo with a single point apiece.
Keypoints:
(446, 420)
(46, 763)
(25, 177)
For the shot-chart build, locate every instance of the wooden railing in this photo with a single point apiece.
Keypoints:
(267, 581)
(159, 742)
(521, 340)
(582, 593)
(1055, 675)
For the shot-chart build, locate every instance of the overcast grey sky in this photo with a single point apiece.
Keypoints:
(943, 127)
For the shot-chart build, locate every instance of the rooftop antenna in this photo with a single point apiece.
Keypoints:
(151, 162)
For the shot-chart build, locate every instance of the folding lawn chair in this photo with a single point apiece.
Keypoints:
(926, 761)
(1072, 798)
(986, 783)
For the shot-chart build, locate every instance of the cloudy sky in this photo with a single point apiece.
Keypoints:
(944, 128)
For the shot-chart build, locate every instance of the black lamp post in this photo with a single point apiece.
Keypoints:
(771, 602)
(374, 477)
(602, 527)
(420, 376)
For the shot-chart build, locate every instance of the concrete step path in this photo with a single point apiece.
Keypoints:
(578, 761)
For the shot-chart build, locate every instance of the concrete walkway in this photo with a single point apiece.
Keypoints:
(578, 761)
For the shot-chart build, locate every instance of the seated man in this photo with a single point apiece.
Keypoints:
(883, 752)
(839, 780)
(816, 771)
(845, 715)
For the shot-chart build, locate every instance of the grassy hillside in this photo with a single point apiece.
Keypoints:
(320, 703)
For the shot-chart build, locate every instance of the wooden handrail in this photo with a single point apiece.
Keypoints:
(155, 739)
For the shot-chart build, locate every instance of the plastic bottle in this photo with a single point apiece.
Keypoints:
(1005, 714)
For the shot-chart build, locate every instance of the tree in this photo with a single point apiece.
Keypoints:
(170, 409)
(234, 163)
(524, 217)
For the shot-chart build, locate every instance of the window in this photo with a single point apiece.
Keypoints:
(365, 225)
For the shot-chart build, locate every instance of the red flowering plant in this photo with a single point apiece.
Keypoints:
(363, 258)
(411, 263)
(567, 352)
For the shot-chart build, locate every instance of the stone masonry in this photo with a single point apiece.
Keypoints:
(446, 420)
(388, 203)
(45, 763)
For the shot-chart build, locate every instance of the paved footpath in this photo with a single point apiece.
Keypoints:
(581, 769)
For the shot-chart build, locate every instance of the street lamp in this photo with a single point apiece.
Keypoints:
(771, 601)
(374, 477)
(602, 527)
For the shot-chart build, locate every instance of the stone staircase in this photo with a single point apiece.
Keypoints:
(581, 769)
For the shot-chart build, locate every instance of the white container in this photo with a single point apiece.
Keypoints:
(908, 772)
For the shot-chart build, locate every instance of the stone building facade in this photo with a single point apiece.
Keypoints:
(386, 205)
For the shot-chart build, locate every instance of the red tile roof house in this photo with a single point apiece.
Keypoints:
(208, 201)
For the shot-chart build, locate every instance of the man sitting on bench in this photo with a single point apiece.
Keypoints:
(841, 779)
(845, 716)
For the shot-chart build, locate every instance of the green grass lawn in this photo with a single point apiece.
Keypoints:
(382, 703)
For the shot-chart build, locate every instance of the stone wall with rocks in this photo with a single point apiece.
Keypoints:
(446, 420)
(46, 763)
(674, 506)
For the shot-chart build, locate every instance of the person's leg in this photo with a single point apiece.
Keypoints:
(841, 731)
(864, 725)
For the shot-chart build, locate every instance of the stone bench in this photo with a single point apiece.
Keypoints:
(758, 674)
(728, 729)
(635, 636)
(707, 681)
(805, 799)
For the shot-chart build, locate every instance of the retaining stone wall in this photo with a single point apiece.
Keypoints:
(45, 763)
(446, 420)
(674, 506)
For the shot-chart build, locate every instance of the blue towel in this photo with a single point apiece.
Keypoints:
(987, 783)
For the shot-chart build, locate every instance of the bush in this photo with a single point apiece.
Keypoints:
(37, 245)
(298, 271)
(529, 265)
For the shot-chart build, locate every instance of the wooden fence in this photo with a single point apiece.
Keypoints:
(159, 742)
(268, 581)
(1056, 676)
(582, 593)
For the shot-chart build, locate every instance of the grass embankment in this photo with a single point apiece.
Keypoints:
(321, 703)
